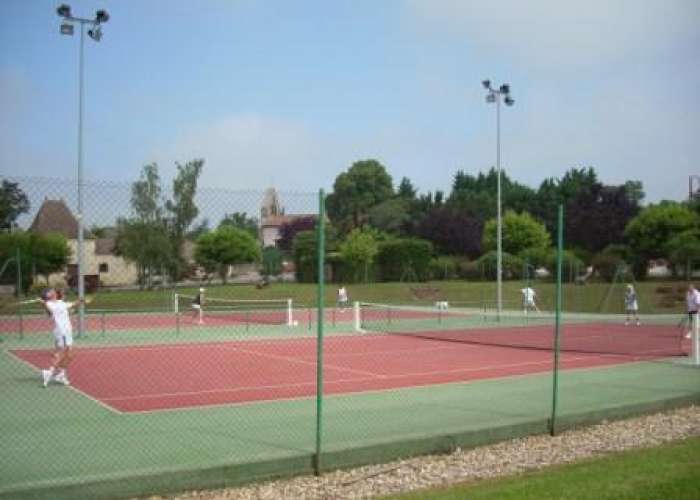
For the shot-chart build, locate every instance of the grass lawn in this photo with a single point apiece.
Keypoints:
(653, 295)
(668, 472)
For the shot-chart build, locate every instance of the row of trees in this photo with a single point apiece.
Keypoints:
(377, 231)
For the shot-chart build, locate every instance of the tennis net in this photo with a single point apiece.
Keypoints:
(263, 312)
(656, 336)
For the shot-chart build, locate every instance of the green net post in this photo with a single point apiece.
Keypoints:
(320, 250)
(102, 322)
(20, 312)
(557, 319)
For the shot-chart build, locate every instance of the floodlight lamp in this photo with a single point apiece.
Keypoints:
(95, 34)
(63, 10)
(491, 98)
(509, 101)
(505, 89)
(486, 84)
(66, 29)
(101, 16)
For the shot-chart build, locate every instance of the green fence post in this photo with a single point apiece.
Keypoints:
(557, 319)
(320, 250)
(18, 260)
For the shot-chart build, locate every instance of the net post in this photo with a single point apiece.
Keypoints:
(290, 313)
(102, 322)
(320, 251)
(177, 323)
(696, 341)
(557, 320)
(176, 302)
(356, 316)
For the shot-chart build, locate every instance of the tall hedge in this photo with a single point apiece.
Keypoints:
(405, 259)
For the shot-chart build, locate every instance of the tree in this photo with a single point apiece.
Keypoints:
(406, 189)
(359, 251)
(182, 209)
(146, 195)
(198, 230)
(42, 254)
(13, 203)
(650, 231)
(241, 220)
(684, 251)
(305, 252)
(477, 195)
(145, 244)
(355, 192)
(597, 217)
(225, 247)
(271, 261)
(391, 216)
(521, 232)
(452, 232)
(289, 230)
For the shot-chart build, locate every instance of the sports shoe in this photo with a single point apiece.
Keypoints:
(688, 335)
(627, 323)
(62, 379)
(45, 377)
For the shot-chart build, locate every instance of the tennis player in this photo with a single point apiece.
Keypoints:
(529, 300)
(63, 354)
(631, 305)
(342, 298)
(197, 309)
(693, 302)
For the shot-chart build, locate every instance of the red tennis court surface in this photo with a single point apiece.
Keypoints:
(172, 376)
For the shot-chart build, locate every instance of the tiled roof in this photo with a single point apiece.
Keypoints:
(54, 216)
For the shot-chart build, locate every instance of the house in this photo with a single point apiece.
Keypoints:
(273, 217)
(101, 263)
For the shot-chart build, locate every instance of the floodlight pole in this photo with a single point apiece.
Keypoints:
(495, 95)
(499, 218)
(691, 192)
(101, 16)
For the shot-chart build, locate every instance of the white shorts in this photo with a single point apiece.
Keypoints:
(530, 303)
(63, 339)
(196, 307)
(634, 307)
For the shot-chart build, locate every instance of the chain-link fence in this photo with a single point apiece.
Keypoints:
(220, 344)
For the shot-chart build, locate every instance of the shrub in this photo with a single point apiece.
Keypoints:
(570, 262)
(405, 259)
(443, 268)
(512, 266)
(470, 270)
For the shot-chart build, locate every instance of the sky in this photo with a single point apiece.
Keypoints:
(292, 93)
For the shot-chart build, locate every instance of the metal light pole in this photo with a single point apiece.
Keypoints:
(693, 193)
(495, 95)
(95, 32)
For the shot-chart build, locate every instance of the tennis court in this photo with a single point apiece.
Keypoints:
(398, 347)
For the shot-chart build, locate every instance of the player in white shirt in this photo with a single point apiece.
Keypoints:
(529, 299)
(198, 307)
(693, 302)
(342, 298)
(631, 305)
(63, 337)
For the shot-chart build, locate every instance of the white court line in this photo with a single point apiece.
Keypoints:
(304, 362)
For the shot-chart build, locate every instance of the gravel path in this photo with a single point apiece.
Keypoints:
(505, 458)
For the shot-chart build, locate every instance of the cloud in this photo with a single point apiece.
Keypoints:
(563, 34)
(248, 151)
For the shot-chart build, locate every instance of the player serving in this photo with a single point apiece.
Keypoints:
(59, 310)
